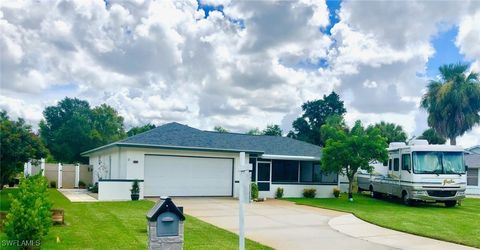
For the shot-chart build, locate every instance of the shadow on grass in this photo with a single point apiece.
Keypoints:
(398, 201)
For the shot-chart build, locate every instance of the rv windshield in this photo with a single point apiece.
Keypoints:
(438, 163)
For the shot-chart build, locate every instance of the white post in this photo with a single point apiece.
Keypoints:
(42, 166)
(25, 169)
(77, 174)
(59, 178)
(29, 167)
(241, 214)
(244, 197)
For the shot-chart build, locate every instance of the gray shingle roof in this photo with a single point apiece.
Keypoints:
(179, 135)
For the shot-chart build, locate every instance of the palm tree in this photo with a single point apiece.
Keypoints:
(453, 102)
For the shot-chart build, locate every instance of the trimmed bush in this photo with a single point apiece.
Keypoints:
(254, 191)
(279, 193)
(94, 188)
(53, 184)
(309, 192)
(336, 192)
(29, 217)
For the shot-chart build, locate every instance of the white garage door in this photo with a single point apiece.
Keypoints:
(187, 176)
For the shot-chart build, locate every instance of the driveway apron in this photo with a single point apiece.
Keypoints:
(278, 224)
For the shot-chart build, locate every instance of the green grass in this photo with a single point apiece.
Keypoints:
(122, 225)
(459, 224)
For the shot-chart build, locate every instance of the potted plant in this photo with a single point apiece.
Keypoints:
(82, 184)
(254, 191)
(279, 193)
(135, 191)
(336, 192)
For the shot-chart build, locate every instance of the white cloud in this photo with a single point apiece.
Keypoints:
(252, 65)
(468, 39)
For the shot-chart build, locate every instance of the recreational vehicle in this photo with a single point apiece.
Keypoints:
(418, 172)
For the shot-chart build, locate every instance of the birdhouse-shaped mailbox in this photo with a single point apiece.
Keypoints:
(165, 225)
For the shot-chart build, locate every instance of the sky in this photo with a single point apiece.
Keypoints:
(239, 65)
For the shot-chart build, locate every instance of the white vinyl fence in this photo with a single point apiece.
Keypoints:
(64, 175)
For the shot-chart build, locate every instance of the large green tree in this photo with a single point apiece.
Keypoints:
(254, 131)
(391, 131)
(72, 127)
(315, 114)
(273, 129)
(107, 125)
(18, 145)
(453, 101)
(140, 129)
(432, 137)
(220, 129)
(348, 150)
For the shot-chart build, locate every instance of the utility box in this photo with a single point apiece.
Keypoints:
(165, 225)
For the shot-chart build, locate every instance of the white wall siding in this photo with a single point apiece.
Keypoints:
(296, 190)
(112, 162)
(116, 190)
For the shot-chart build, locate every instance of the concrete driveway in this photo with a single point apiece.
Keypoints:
(284, 225)
(278, 224)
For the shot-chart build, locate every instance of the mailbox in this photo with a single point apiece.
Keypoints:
(165, 225)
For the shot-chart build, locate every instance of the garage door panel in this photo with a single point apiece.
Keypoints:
(187, 176)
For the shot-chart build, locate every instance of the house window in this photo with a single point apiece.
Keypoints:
(406, 162)
(311, 172)
(317, 173)
(330, 178)
(284, 171)
(306, 171)
(472, 177)
(396, 164)
(263, 171)
(253, 161)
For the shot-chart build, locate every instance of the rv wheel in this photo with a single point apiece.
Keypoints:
(405, 199)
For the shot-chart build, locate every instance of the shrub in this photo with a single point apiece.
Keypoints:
(279, 193)
(336, 192)
(53, 184)
(94, 188)
(309, 192)
(254, 191)
(135, 187)
(81, 184)
(29, 217)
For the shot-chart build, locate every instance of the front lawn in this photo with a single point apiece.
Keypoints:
(122, 225)
(459, 224)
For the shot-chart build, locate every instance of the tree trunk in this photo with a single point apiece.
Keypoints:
(350, 187)
(453, 141)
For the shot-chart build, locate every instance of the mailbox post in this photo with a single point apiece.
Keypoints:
(244, 197)
(165, 226)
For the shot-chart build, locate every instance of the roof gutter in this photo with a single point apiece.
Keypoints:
(119, 144)
(290, 157)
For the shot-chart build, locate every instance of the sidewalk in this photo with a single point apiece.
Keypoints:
(77, 195)
(350, 225)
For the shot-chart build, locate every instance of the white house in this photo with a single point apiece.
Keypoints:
(178, 160)
(472, 160)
